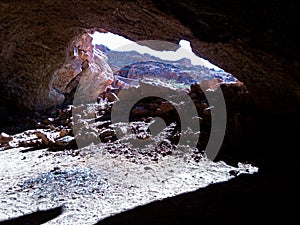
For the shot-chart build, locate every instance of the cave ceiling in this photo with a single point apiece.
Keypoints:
(254, 40)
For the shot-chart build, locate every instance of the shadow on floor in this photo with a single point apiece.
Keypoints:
(269, 196)
(259, 198)
(35, 218)
(247, 199)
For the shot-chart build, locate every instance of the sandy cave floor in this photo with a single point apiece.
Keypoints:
(93, 184)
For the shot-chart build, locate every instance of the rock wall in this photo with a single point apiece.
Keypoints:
(86, 64)
(36, 35)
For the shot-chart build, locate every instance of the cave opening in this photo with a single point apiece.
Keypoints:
(167, 64)
(125, 64)
(99, 65)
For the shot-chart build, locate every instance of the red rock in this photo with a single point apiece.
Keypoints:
(63, 133)
(5, 138)
(65, 141)
(111, 97)
(46, 138)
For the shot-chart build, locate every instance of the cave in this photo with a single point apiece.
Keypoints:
(46, 45)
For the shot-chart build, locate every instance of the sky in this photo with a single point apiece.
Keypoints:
(117, 42)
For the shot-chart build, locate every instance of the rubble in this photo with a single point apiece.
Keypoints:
(87, 119)
(42, 129)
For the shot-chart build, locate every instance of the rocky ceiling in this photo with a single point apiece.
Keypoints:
(255, 41)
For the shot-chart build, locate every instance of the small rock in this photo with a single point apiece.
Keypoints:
(214, 83)
(148, 168)
(66, 141)
(55, 168)
(51, 127)
(111, 97)
(204, 85)
(63, 133)
(233, 172)
(46, 139)
(47, 121)
(28, 143)
(5, 138)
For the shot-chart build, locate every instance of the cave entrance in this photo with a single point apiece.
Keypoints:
(170, 75)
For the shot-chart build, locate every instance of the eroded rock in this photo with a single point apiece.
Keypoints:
(85, 69)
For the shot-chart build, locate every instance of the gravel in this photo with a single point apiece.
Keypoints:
(92, 184)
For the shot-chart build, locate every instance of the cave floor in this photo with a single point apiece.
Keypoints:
(93, 185)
